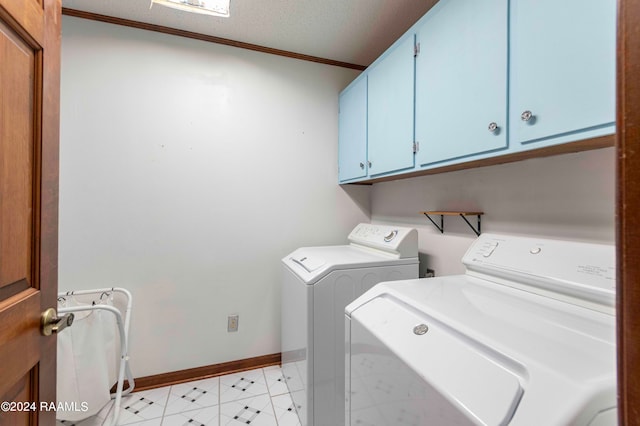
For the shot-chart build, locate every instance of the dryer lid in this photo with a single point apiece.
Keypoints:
(564, 355)
(476, 381)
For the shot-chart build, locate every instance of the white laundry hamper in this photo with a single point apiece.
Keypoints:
(87, 362)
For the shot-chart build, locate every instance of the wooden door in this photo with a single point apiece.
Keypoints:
(29, 117)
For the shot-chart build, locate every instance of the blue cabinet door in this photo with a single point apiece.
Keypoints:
(390, 110)
(563, 60)
(352, 131)
(461, 80)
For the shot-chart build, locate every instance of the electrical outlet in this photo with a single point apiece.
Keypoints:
(232, 323)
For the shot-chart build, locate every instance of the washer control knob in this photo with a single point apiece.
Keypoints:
(390, 236)
(535, 250)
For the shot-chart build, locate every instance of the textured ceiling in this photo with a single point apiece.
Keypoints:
(352, 31)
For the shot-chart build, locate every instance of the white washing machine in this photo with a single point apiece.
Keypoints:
(318, 284)
(525, 337)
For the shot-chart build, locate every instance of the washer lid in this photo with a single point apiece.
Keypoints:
(314, 263)
(473, 378)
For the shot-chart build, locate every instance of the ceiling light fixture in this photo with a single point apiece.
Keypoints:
(206, 7)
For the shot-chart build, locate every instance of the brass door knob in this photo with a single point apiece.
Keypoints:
(50, 323)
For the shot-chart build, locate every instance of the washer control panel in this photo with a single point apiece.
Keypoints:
(396, 240)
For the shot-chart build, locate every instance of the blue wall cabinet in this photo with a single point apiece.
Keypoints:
(563, 60)
(461, 79)
(352, 131)
(491, 78)
(390, 109)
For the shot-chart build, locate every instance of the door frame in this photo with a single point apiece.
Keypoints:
(627, 211)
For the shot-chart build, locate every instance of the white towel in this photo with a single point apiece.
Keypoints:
(86, 367)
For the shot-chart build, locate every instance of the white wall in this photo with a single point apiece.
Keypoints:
(567, 196)
(188, 169)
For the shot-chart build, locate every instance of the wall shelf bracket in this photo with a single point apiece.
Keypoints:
(463, 215)
(441, 227)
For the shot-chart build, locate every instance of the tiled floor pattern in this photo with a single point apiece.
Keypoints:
(256, 397)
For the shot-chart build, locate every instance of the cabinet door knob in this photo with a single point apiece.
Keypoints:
(526, 116)
(362, 165)
(493, 127)
(369, 164)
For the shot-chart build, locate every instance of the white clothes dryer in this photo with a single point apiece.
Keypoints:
(525, 337)
(318, 283)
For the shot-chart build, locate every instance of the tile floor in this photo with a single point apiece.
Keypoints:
(255, 397)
